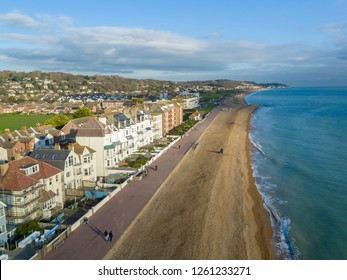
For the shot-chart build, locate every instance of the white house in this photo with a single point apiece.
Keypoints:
(43, 139)
(133, 131)
(191, 102)
(188, 102)
(65, 160)
(98, 136)
(87, 159)
(157, 125)
(3, 154)
(3, 229)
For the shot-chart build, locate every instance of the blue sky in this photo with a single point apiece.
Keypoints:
(301, 43)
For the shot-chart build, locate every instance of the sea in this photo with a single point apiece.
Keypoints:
(300, 168)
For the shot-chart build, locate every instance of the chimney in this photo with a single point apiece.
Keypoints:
(17, 156)
(56, 146)
(24, 128)
(3, 168)
(133, 112)
(7, 131)
(70, 147)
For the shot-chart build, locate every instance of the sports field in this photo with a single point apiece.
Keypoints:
(15, 121)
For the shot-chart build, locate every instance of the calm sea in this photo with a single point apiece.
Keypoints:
(300, 167)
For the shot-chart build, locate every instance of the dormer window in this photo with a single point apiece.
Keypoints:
(30, 169)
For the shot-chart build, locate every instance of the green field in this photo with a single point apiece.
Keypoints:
(15, 121)
(212, 96)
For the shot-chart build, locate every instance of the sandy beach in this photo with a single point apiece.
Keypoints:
(208, 207)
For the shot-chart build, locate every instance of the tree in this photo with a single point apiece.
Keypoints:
(82, 112)
(58, 121)
(12, 99)
(27, 228)
(137, 101)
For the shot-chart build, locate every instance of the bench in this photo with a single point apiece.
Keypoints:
(58, 243)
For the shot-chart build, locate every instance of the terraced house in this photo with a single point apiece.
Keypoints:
(113, 137)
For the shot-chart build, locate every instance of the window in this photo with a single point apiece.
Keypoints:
(70, 159)
(56, 178)
(50, 181)
(86, 159)
(35, 168)
(68, 174)
(2, 212)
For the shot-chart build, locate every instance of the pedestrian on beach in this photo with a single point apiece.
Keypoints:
(156, 167)
(110, 236)
(179, 146)
(106, 235)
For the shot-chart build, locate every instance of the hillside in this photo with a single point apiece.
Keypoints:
(22, 86)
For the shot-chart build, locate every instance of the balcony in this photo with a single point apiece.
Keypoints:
(13, 213)
(27, 202)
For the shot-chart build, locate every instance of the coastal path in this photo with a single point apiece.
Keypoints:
(87, 241)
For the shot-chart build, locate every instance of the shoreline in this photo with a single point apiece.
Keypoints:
(266, 215)
(196, 213)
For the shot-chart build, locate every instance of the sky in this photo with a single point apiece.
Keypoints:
(297, 42)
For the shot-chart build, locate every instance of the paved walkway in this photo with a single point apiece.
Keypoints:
(87, 242)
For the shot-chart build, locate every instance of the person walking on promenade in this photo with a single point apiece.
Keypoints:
(110, 235)
(156, 167)
(106, 235)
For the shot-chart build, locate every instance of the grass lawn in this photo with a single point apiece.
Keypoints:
(211, 96)
(15, 121)
(208, 108)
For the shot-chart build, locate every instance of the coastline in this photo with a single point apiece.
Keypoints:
(210, 209)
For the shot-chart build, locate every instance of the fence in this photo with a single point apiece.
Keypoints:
(59, 240)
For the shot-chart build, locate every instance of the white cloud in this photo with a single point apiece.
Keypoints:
(333, 29)
(20, 20)
(57, 45)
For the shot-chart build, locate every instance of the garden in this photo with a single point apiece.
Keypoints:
(183, 128)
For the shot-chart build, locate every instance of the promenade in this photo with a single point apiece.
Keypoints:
(87, 241)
